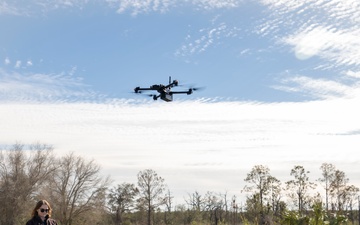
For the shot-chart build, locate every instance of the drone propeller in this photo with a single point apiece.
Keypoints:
(192, 89)
(196, 88)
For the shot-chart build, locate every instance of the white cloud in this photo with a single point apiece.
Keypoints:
(18, 64)
(217, 4)
(353, 74)
(7, 61)
(309, 44)
(341, 47)
(227, 137)
(327, 29)
(138, 6)
(42, 87)
(205, 38)
(135, 7)
(34, 7)
(327, 32)
(319, 88)
(6, 9)
(333, 10)
(205, 139)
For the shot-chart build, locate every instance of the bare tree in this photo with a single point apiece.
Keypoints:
(301, 186)
(151, 188)
(23, 172)
(338, 189)
(274, 195)
(195, 201)
(341, 191)
(77, 188)
(122, 200)
(215, 205)
(351, 196)
(168, 209)
(195, 204)
(328, 173)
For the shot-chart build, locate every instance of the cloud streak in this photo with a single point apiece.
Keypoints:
(138, 7)
(319, 88)
(135, 7)
(327, 29)
(207, 37)
(16, 86)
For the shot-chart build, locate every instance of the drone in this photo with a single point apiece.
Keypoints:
(164, 91)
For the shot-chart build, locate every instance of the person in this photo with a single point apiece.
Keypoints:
(41, 214)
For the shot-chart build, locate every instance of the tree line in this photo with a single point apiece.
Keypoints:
(80, 195)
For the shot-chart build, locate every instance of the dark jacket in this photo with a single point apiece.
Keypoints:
(36, 220)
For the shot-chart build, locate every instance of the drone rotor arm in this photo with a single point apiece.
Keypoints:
(170, 85)
(139, 89)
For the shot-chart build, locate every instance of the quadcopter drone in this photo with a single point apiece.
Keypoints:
(164, 91)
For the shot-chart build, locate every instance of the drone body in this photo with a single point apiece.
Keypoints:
(164, 91)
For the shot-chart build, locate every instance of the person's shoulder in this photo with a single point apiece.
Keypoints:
(30, 222)
(52, 221)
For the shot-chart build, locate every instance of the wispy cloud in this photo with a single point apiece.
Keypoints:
(206, 38)
(326, 29)
(7, 61)
(42, 87)
(338, 47)
(319, 88)
(217, 4)
(353, 74)
(9, 9)
(18, 64)
(134, 7)
(138, 6)
(36, 7)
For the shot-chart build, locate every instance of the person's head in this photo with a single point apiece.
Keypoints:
(42, 208)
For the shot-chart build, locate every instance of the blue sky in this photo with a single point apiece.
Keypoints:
(281, 85)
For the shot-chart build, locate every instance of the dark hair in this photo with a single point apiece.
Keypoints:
(38, 205)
